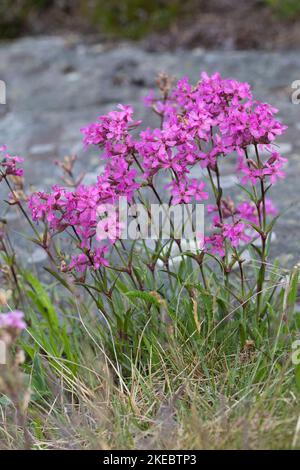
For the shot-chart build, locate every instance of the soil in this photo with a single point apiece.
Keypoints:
(211, 24)
(232, 24)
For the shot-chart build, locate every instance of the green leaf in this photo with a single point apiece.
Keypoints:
(252, 197)
(42, 300)
(272, 223)
(59, 278)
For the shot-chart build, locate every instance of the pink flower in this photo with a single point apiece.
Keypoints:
(235, 233)
(79, 263)
(270, 208)
(94, 259)
(179, 192)
(9, 164)
(215, 244)
(195, 189)
(271, 169)
(14, 320)
(247, 210)
(111, 127)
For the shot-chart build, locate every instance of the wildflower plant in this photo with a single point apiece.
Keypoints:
(152, 333)
(199, 127)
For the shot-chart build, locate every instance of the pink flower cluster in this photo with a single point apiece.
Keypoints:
(256, 171)
(12, 320)
(200, 125)
(239, 229)
(93, 259)
(218, 112)
(78, 210)
(112, 130)
(235, 225)
(203, 123)
(9, 164)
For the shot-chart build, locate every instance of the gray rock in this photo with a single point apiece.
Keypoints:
(38, 256)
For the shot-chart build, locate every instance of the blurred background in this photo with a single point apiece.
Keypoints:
(241, 24)
(65, 62)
